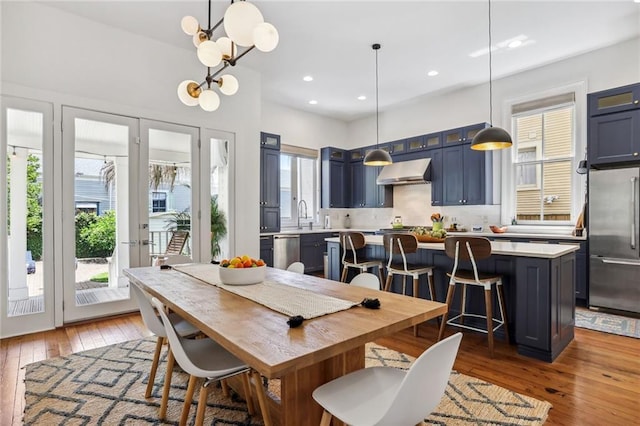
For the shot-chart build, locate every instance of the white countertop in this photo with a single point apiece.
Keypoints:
(521, 235)
(318, 230)
(549, 251)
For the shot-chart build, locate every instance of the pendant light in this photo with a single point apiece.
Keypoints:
(377, 157)
(492, 137)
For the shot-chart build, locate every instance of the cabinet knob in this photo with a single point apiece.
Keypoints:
(635, 154)
(636, 102)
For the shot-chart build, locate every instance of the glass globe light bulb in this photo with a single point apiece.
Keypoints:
(239, 21)
(190, 25)
(209, 100)
(265, 37)
(209, 53)
(185, 95)
(225, 44)
(228, 84)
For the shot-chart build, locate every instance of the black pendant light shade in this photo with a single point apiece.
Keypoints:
(377, 157)
(491, 138)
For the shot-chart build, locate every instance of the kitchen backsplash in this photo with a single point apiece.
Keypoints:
(413, 204)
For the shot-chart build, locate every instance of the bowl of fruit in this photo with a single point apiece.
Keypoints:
(426, 235)
(242, 270)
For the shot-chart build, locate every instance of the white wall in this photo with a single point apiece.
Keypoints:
(50, 55)
(301, 128)
(606, 68)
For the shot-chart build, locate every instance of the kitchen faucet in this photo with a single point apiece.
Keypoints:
(300, 203)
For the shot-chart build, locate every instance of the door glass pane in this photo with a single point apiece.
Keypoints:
(169, 192)
(101, 211)
(220, 199)
(24, 212)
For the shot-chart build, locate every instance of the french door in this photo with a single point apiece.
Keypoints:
(79, 209)
(26, 220)
(102, 221)
(129, 187)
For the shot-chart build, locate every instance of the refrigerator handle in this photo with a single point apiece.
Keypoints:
(634, 207)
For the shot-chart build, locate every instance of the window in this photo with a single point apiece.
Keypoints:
(543, 157)
(158, 202)
(298, 185)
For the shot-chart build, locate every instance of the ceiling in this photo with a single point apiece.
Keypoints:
(331, 40)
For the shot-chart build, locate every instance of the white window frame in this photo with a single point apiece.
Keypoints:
(295, 194)
(508, 157)
(536, 145)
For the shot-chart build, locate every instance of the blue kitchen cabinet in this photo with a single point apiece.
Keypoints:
(266, 249)
(334, 173)
(269, 141)
(423, 142)
(269, 183)
(466, 176)
(312, 249)
(461, 135)
(357, 184)
(436, 176)
(614, 126)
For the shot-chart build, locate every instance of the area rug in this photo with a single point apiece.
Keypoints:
(106, 387)
(608, 323)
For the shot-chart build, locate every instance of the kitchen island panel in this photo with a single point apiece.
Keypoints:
(539, 287)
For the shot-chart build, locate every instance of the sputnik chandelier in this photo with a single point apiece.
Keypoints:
(245, 27)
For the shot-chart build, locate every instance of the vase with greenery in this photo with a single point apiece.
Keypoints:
(218, 227)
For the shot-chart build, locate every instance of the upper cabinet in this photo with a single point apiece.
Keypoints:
(466, 176)
(461, 135)
(269, 182)
(614, 126)
(365, 192)
(269, 140)
(334, 174)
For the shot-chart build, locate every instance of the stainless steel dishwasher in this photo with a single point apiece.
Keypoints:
(286, 250)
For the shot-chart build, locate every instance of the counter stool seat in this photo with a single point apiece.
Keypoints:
(402, 244)
(351, 242)
(473, 249)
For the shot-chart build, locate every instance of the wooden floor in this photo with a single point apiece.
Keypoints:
(595, 381)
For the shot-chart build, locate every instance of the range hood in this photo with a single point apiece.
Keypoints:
(406, 172)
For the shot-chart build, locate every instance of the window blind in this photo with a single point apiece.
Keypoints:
(298, 150)
(543, 103)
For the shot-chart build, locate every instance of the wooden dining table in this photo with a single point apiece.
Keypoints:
(304, 357)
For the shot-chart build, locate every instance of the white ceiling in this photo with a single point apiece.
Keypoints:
(331, 40)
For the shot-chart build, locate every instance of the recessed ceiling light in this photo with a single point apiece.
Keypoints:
(313, 102)
(362, 97)
(432, 73)
(307, 78)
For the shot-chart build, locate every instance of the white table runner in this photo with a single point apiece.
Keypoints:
(280, 297)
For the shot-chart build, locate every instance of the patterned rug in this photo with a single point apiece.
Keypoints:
(106, 386)
(608, 323)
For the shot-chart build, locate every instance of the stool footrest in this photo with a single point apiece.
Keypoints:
(452, 322)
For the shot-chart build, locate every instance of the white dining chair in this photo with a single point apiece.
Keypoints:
(153, 322)
(204, 358)
(297, 267)
(387, 395)
(367, 280)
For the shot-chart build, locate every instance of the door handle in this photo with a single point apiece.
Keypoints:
(621, 262)
(144, 242)
(634, 212)
(130, 243)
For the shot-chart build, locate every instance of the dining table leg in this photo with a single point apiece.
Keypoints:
(298, 408)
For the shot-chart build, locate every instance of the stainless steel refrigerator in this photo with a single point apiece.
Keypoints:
(614, 210)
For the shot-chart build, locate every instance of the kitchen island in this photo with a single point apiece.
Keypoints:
(539, 286)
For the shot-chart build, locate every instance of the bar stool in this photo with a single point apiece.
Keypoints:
(473, 249)
(351, 242)
(403, 244)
